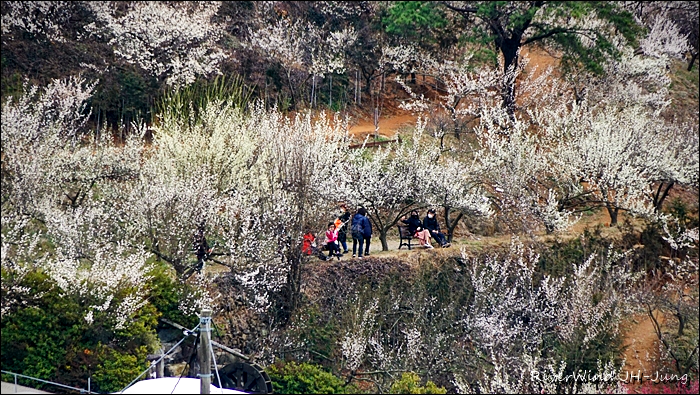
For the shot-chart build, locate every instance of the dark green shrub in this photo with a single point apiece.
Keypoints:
(304, 378)
(409, 383)
(166, 293)
(50, 339)
(115, 370)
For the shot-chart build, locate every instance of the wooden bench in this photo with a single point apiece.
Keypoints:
(405, 236)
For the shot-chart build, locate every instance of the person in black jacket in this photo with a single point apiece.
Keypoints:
(415, 227)
(431, 224)
(344, 218)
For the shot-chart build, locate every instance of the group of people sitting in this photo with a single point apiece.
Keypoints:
(361, 233)
(423, 231)
(336, 236)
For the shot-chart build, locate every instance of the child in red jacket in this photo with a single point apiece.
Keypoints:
(308, 246)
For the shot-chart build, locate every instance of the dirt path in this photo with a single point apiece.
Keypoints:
(388, 126)
(642, 343)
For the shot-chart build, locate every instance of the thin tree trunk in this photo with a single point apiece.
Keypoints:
(451, 226)
(692, 61)
(613, 212)
(509, 49)
(382, 238)
(313, 90)
(659, 200)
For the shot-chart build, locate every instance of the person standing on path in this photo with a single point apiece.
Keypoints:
(361, 230)
(344, 219)
(367, 234)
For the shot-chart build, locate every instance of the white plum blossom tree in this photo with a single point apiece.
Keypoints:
(58, 184)
(303, 49)
(44, 20)
(514, 312)
(455, 186)
(516, 166)
(619, 154)
(173, 41)
(389, 181)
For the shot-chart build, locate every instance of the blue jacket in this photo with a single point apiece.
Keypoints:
(365, 223)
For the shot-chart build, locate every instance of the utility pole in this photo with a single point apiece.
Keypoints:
(204, 355)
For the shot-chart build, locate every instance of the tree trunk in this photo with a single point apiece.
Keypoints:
(292, 289)
(660, 197)
(692, 61)
(612, 211)
(451, 225)
(509, 49)
(455, 122)
(382, 238)
(368, 81)
(291, 89)
(681, 323)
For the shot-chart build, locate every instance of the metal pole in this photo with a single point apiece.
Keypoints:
(204, 355)
(15, 383)
(160, 367)
(357, 76)
(89, 392)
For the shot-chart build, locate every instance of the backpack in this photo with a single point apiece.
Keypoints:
(357, 228)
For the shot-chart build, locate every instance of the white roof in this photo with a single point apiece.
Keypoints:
(173, 385)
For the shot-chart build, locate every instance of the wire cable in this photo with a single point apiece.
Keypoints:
(159, 359)
(216, 368)
(189, 361)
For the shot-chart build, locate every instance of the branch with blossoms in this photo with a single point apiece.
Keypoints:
(176, 42)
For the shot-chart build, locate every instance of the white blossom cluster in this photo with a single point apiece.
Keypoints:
(41, 19)
(507, 331)
(664, 39)
(56, 181)
(400, 176)
(251, 179)
(174, 41)
(299, 45)
(357, 337)
(619, 153)
(515, 163)
(512, 313)
(16, 253)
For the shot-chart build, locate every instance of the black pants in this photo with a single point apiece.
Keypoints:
(355, 240)
(333, 249)
(342, 239)
(439, 237)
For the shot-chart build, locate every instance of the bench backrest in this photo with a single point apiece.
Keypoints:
(404, 233)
